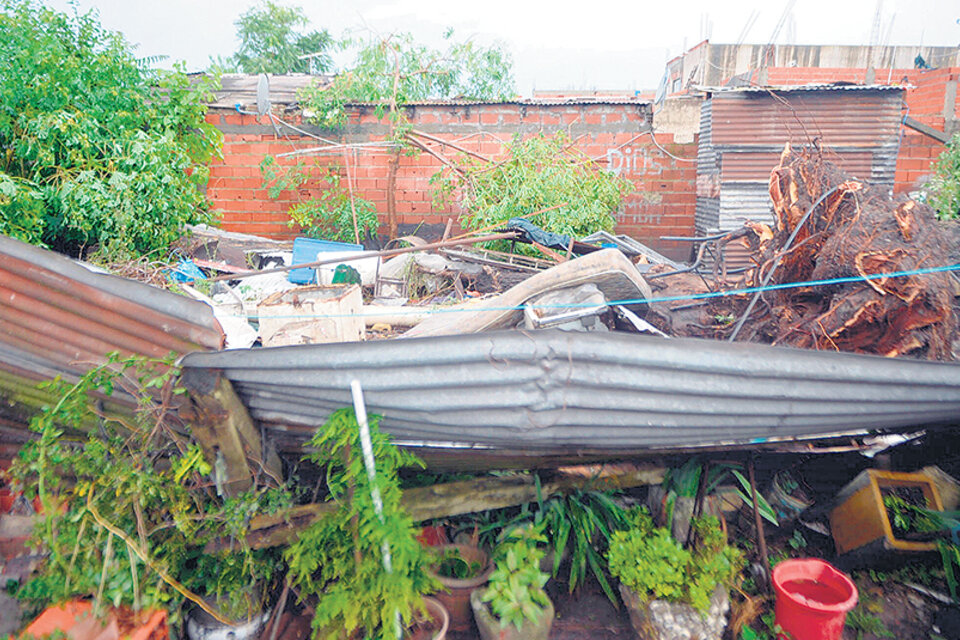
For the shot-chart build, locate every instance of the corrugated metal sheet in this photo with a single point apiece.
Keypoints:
(58, 317)
(555, 391)
(817, 87)
(755, 166)
(856, 126)
(864, 119)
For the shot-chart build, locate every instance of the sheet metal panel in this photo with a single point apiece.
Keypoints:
(755, 166)
(838, 119)
(59, 317)
(568, 391)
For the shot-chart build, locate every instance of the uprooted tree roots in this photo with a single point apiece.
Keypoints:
(857, 230)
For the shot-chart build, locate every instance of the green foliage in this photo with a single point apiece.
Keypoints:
(684, 481)
(909, 518)
(536, 173)
(767, 629)
(451, 564)
(579, 522)
(654, 566)
(863, 619)
(395, 70)
(340, 557)
(129, 504)
(98, 148)
(945, 183)
(328, 217)
(515, 591)
(273, 40)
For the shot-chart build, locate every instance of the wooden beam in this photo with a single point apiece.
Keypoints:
(230, 439)
(926, 130)
(457, 498)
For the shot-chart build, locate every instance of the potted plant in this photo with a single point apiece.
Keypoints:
(514, 606)
(460, 569)
(360, 560)
(670, 591)
(126, 506)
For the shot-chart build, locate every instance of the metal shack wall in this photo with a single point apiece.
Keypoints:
(745, 131)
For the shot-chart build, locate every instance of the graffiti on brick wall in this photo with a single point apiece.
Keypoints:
(641, 208)
(628, 161)
(634, 163)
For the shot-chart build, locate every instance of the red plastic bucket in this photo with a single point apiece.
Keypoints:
(813, 599)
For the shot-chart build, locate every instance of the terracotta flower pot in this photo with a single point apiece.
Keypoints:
(456, 591)
(74, 618)
(490, 628)
(440, 618)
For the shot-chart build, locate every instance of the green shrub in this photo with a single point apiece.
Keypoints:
(98, 148)
(945, 184)
(653, 565)
(329, 216)
(340, 557)
(536, 173)
(515, 591)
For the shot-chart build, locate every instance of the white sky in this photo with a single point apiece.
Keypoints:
(559, 44)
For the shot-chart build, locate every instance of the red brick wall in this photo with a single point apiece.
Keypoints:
(613, 134)
(927, 102)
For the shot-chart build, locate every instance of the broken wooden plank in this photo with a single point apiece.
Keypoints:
(458, 498)
(226, 432)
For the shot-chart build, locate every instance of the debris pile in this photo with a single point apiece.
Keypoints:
(857, 230)
(831, 227)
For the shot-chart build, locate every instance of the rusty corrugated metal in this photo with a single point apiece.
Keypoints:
(856, 126)
(59, 317)
(755, 166)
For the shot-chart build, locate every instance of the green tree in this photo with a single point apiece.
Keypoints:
(395, 70)
(273, 40)
(945, 183)
(98, 147)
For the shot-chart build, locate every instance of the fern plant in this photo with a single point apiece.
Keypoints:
(366, 568)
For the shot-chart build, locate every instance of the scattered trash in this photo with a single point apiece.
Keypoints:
(312, 315)
(570, 309)
(613, 274)
(306, 249)
(186, 271)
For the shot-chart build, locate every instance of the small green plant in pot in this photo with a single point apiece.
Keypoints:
(460, 569)
(515, 605)
(671, 591)
(362, 563)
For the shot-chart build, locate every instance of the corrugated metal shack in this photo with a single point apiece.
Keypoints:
(744, 130)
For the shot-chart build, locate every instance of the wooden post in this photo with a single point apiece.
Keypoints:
(220, 423)
(761, 537)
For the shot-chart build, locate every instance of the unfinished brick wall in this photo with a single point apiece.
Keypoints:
(931, 100)
(615, 134)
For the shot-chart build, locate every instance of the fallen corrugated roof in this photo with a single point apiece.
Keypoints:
(555, 391)
(59, 317)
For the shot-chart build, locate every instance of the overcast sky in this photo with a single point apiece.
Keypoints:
(592, 44)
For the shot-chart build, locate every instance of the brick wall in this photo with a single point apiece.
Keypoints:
(931, 100)
(615, 134)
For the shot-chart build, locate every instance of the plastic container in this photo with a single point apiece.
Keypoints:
(859, 522)
(306, 249)
(813, 598)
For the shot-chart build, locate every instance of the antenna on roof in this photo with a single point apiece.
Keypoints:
(263, 95)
